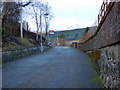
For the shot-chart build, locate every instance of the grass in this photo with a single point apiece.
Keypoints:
(25, 41)
(94, 57)
(13, 42)
(97, 79)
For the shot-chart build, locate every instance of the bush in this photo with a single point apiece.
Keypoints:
(86, 30)
(61, 36)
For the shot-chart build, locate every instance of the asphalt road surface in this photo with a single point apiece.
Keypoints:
(59, 67)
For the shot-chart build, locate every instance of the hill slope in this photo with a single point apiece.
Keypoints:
(70, 35)
(12, 42)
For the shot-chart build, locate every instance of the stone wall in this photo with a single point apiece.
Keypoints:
(85, 37)
(107, 64)
(104, 47)
(11, 55)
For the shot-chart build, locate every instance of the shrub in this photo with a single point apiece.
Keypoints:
(86, 30)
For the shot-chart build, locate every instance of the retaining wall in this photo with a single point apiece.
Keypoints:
(11, 55)
(108, 32)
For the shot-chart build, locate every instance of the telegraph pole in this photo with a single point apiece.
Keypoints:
(41, 32)
(41, 39)
(46, 23)
(21, 27)
(57, 40)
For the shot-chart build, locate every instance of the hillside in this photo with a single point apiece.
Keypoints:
(70, 35)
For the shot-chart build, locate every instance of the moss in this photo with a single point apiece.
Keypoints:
(95, 55)
(97, 79)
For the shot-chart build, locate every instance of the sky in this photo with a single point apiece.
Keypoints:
(71, 14)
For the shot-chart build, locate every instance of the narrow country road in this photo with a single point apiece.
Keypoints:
(59, 67)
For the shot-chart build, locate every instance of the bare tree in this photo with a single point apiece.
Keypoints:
(48, 16)
(38, 9)
(41, 9)
(24, 5)
(11, 13)
(36, 21)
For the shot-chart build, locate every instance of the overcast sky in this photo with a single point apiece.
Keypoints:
(69, 14)
(74, 13)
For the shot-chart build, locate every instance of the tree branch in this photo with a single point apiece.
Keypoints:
(25, 4)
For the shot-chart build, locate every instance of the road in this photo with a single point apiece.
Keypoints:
(59, 67)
